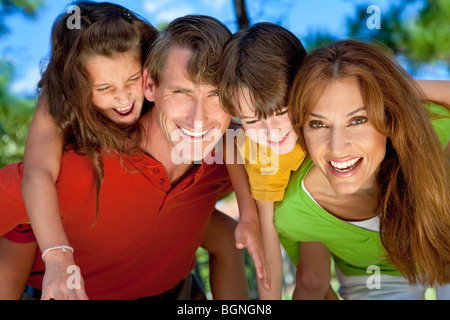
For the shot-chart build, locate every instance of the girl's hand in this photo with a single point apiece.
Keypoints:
(62, 279)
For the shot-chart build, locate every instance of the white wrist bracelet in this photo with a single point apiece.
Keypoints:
(63, 248)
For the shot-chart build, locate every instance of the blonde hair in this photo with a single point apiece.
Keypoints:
(413, 181)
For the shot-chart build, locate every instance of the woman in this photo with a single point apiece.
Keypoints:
(366, 190)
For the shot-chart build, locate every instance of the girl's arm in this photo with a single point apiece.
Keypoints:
(42, 161)
(437, 91)
(272, 250)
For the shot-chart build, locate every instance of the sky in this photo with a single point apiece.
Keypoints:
(28, 42)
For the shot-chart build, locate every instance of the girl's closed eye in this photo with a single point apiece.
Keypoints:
(135, 78)
(103, 89)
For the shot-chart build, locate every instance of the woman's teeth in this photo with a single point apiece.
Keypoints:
(193, 134)
(345, 166)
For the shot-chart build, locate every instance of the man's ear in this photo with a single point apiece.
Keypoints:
(148, 86)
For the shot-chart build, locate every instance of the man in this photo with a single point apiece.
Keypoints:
(152, 221)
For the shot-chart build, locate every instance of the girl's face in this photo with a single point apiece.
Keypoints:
(342, 142)
(276, 131)
(117, 86)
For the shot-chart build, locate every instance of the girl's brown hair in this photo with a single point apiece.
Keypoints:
(413, 195)
(106, 29)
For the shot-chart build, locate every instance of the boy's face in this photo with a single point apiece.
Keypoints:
(275, 132)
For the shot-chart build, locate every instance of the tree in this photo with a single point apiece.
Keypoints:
(9, 7)
(15, 112)
(416, 30)
(422, 36)
(241, 14)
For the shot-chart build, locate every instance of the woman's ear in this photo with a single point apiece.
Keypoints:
(148, 86)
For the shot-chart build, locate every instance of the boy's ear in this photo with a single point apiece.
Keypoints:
(148, 86)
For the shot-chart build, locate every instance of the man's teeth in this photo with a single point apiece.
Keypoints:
(347, 165)
(194, 134)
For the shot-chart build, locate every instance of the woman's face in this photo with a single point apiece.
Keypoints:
(117, 87)
(341, 140)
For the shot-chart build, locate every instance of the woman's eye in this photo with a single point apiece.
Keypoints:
(359, 120)
(316, 124)
(103, 89)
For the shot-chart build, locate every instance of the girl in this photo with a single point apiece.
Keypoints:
(365, 190)
(77, 111)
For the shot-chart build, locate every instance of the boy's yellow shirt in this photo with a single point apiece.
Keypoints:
(268, 171)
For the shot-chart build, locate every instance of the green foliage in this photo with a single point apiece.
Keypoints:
(9, 7)
(418, 30)
(422, 37)
(15, 112)
(15, 119)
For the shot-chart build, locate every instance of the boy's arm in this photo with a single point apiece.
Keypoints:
(42, 161)
(437, 91)
(248, 232)
(272, 250)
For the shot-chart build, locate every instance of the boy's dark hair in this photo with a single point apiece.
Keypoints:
(264, 59)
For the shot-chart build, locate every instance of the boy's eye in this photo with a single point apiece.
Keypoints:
(316, 124)
(359, 120)
(251, 121)
(280, 113)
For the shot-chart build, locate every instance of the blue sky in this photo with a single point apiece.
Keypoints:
(27, 44)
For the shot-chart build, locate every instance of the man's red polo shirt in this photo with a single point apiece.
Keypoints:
(146, 234)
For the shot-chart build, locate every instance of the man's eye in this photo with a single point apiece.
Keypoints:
(315, 124)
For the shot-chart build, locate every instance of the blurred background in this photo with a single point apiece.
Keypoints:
(418, 32)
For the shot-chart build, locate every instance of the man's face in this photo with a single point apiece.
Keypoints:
(189, 116)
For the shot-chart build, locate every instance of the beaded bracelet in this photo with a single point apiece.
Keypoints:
(63, 248)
